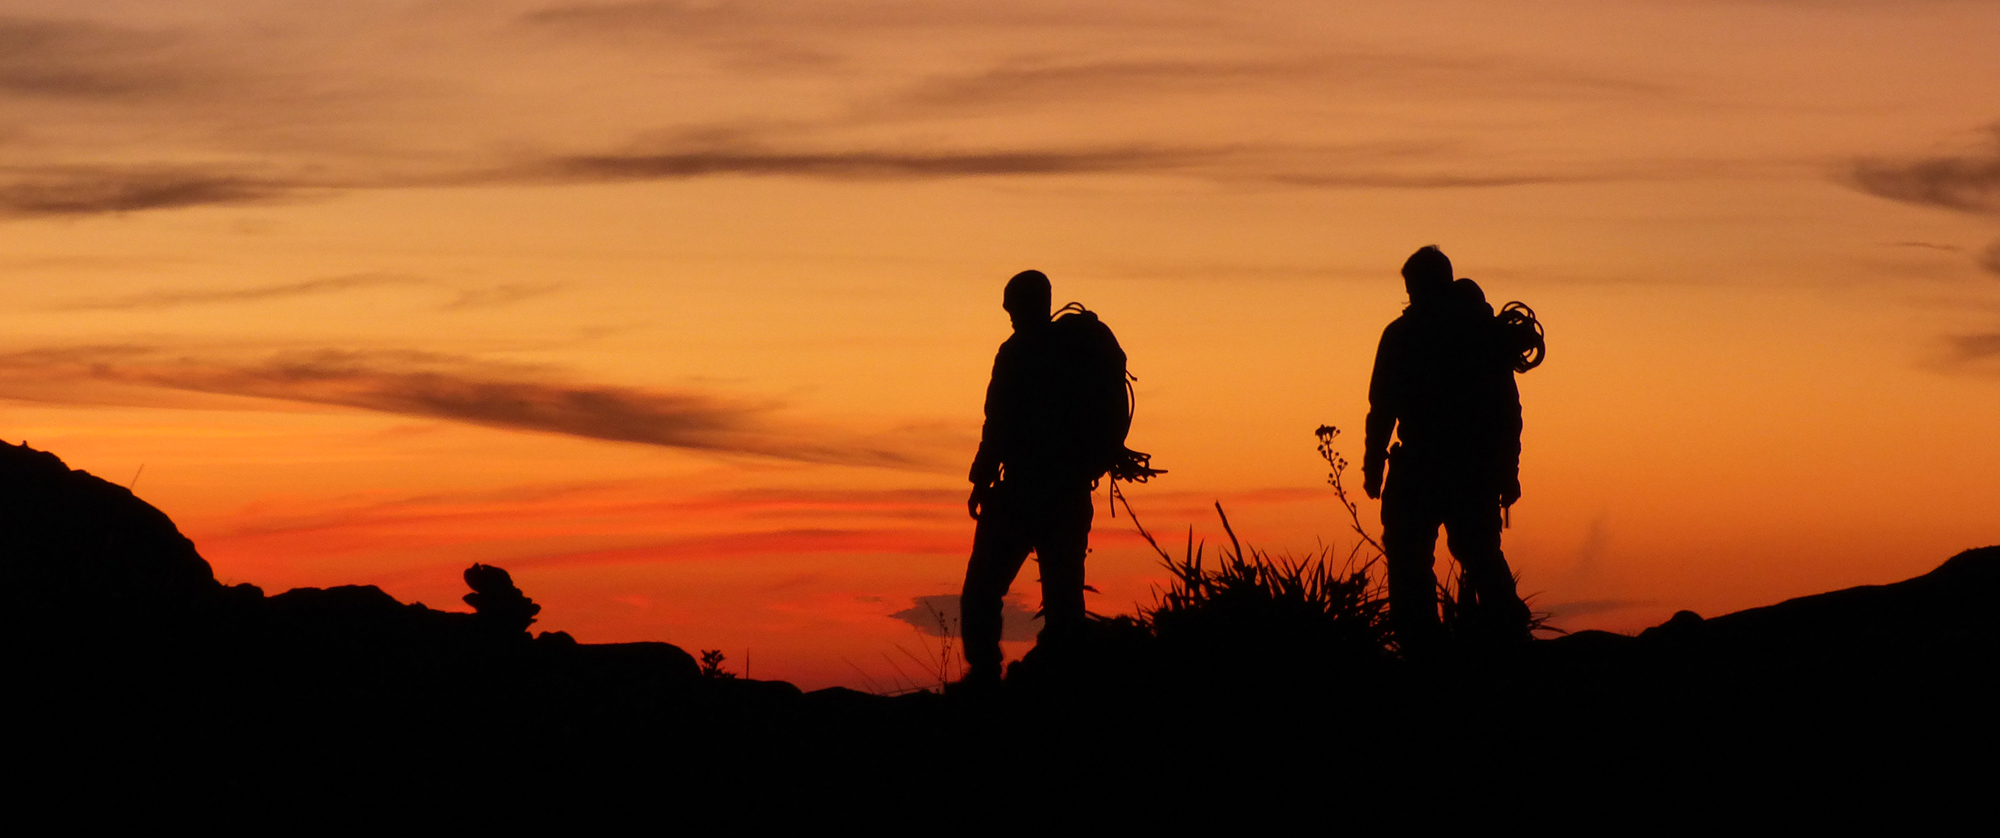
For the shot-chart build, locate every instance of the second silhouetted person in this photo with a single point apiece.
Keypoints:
(1444, 387)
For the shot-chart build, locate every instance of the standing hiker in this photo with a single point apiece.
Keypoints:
(1057, 411)
(1444, 386)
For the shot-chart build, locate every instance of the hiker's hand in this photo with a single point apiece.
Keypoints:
(975, 500)
(1371, 474)
(1510, 492)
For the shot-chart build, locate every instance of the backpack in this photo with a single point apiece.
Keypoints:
(1096, 381)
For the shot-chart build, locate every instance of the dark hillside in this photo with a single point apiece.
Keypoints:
(132, 669)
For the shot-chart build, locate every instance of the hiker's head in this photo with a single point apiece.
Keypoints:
(1027, 299)
(1427, 275)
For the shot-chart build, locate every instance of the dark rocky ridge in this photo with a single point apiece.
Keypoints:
(136, 668)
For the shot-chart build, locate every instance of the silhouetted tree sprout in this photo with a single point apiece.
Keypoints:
(711, 665)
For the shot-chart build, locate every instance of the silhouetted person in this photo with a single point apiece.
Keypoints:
(1444, 386)
(1056, 418)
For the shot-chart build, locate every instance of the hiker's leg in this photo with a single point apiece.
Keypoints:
(1062, 541)
(1472, 531)
(1409, 543)
(999, 546)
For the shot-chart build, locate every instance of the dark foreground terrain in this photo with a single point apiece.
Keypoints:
(141, 684)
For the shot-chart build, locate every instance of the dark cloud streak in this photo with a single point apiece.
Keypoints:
(463, 298)
(499, 295)
(162, 299)
(455, 389)
(858, 165)
(1975, 349)
(1966, 183)
(741, 18)
(83, 60)
(1433, 181)
(1026, 83)
(101, 190)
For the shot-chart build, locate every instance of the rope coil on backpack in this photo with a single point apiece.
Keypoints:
(1525, 339)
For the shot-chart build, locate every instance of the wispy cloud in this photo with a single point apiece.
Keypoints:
(1979, 352)
(1383, 165)
(82, 59)
(938, 616)
(675, 17)
(163, 299)
(859, 164)
(1966, 183)
(1386, 180)
(615, 521)
(1034, 83)
(436, 386)
(499, 295)
(462, 298)
(1990, 260)
(96, 190)
(1020, 83)
(1371, 166)
(1968, 354)
(791, 542)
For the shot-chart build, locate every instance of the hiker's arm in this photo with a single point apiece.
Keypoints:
(999, 418)
(992, 436)
(1385, 403)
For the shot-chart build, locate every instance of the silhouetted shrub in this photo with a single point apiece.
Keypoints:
(711, 665)
(1266, 614)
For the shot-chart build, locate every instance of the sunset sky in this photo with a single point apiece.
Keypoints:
(683, 311)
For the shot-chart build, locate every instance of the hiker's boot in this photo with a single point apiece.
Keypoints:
(980, 682)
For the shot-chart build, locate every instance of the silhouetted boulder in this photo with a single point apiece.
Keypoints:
(75, 549)
(1679, 625)
(502, 608)
(650, 661)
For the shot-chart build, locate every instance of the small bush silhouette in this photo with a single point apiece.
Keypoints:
(711, 665)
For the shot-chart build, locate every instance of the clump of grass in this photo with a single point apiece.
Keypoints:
(1259, 614)
(943, 665)
(1261, 609)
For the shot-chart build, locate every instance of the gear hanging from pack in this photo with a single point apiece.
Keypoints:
(1526, 343)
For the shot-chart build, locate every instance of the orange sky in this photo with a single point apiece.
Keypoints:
(682, 311)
